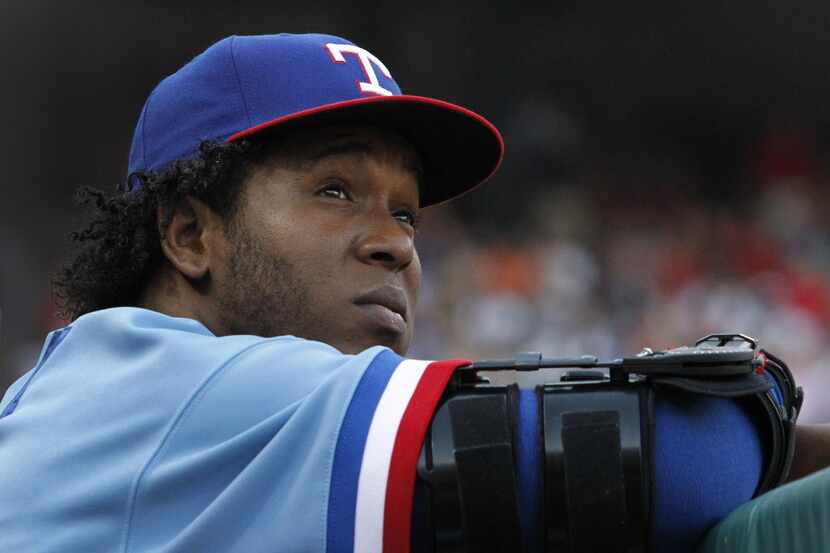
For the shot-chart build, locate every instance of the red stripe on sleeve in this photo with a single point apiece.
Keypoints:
(400, 486)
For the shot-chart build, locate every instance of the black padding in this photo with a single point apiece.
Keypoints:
(422, 533)
(467, 474)
(437, 473)
(597, 468)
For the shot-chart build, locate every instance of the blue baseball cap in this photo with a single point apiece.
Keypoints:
(243, 86)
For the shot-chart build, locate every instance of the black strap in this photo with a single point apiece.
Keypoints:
(782, 419)
(486, 472)
(594, 480)
(597, 468)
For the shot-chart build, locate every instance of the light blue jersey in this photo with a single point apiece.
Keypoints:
(139, 432)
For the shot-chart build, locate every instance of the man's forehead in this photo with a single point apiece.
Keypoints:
(308, 146)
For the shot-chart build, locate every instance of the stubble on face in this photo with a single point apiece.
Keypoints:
(265, 295)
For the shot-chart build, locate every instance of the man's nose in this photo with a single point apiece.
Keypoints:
(385, 242)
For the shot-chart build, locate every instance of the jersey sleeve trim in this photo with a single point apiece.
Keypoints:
(410, 437)
(373, 473)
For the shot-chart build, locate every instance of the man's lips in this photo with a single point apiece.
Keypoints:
(389, 297)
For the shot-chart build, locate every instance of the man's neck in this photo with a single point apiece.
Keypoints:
(168, 292)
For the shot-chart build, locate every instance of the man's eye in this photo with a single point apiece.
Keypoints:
(334, 190)
(407, 217)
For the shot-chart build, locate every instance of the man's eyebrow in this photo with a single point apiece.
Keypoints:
(341, 148)
(357, 146)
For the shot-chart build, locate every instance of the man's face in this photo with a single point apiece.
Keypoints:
(322, 246)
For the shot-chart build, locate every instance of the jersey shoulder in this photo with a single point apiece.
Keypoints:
(193, 442)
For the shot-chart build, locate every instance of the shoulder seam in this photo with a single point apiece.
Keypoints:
(55, 340)
(174, 425)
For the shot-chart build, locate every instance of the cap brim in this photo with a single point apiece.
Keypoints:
(460, 148)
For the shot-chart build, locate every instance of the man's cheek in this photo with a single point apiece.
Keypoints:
(413, 281)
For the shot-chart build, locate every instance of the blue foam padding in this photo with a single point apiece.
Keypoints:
(529, 465)
(708, 459)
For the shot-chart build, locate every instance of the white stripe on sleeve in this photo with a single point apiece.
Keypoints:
(377, 455)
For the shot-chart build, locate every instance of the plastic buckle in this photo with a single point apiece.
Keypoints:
(727, 339)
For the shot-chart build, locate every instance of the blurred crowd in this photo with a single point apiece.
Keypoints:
(606, 266)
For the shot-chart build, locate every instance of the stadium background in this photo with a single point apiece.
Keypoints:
(666, 170)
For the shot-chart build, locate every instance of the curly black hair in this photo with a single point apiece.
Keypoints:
(120, 248)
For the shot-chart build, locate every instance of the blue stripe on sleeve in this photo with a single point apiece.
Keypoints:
(348, 453)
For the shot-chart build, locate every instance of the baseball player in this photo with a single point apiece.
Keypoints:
(233, 377)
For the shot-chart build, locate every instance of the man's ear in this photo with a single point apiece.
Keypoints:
(188, 240)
